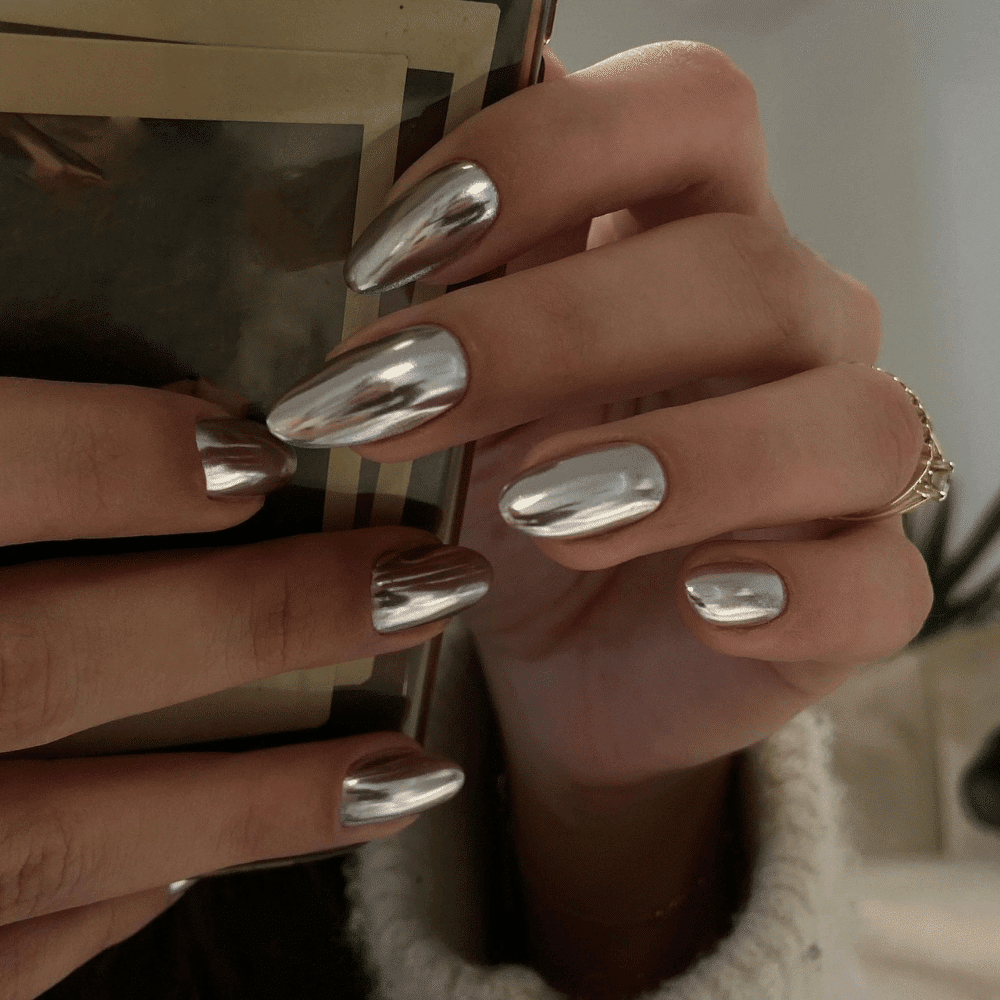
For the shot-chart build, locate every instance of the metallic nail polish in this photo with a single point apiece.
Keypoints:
(375, 391)
(586, 494)
(242, 459)
(181, 886)
(438, 219)
(745, 597)
(395, 785)
(426, 584)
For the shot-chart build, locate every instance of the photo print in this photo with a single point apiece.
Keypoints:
(182, 211)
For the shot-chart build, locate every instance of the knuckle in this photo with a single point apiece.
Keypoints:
(896, 597)
(34, 707)
(271, 629)
(46, 868)
(251, 831)
(565, 316)
(93, 460)
(285, 619)
(717, 76)
(774, 283)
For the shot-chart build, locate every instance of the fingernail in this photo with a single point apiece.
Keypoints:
(438, 219)
(242, 459)
(425, 585)
(398, 784)
(375, 391)
(177, 889)
(736, 597)
(585, 494)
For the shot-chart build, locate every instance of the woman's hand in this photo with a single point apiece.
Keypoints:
(88, 846)
(713, 350)
(696, 327)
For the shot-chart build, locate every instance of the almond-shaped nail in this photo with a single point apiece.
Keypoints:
(585, 494)
(437, 220)
(736, 597)
(241, 459)
(425, 585)
(375, 391)
(393, 785)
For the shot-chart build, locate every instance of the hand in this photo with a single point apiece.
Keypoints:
(88, 846)
(695, 326)
(654, 298)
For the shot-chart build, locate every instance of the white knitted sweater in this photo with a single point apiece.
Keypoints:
(419, 899)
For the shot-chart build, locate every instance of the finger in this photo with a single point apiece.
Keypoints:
(85, 460)
(572, 240)
(555, 68)
(73, 832)
(85, 641)
(41, 952)
(829, 442)
(809, 611)
(717, 295)
(675, 121)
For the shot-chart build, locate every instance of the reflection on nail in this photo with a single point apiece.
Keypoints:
(241, 459)
(747, 597)
(181, 886)
(375, 391)
(425, 585)
(440, 218)
(585, 494)
(395, 785)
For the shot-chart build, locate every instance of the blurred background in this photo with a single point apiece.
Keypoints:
(883, 126)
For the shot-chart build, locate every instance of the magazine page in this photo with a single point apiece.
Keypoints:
(194, 204)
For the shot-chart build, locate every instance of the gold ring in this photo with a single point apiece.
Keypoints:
(932, 479)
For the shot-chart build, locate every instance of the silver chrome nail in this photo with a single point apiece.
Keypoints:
(181, 886)
(425, 585)
(395, 785)
(745, 597)
(585, 494)
(375, 391)
(241, 459)
(438, 219)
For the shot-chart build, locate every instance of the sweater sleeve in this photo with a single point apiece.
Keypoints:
(420, 900)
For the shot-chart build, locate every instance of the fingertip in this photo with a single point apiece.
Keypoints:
(177, 889)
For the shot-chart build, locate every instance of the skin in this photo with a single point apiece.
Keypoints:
(697, 326)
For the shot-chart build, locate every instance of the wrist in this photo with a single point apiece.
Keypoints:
(620, 854)
(641, 878)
